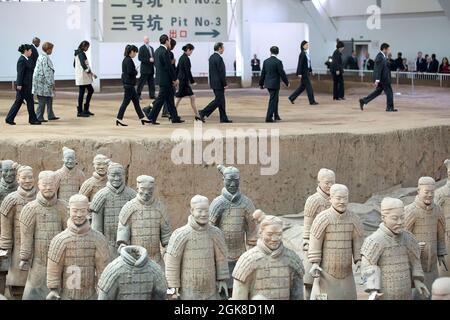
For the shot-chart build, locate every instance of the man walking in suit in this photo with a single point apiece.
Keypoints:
(303, 71)
(147, 58)
(271, 74)
(217, 82)
(35, 54)
(382, 77)
(167, 79)
(337, 71)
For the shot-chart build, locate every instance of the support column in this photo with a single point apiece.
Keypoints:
(243, 43)
(94, 39)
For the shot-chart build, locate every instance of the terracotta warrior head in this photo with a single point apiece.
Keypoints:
(393, 214)
(78, 209)
(47, 184)
(116, 175)
(440, 290)
(200, 209)
(339, 197)
(231, 178)
(447, 164)
(69, 158)
(25, 178)
(101, 163)
(325, 179)
(270, 229)
(9, 170)
(145, 187)
(425, 190)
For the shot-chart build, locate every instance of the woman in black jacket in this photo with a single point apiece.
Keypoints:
(303, 71)
(24, 83)
(129, 82)
(186, 80)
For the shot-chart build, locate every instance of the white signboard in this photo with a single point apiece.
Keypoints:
(183, 20)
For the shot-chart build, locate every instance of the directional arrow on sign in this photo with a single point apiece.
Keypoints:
(214, 33)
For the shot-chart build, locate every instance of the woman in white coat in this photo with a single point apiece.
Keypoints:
(44, 83)
(83, 79)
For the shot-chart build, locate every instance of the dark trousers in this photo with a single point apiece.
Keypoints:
(146, 78)
(24, 94)
(304, 84)
(165, 96)
(82, 90)
(338, 86)
(165, 108)
(130, 94)
(272, 110)
(218, 102)
(386, 87)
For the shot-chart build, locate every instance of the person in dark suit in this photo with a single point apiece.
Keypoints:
(24, 84)
(218, 83)
(167, 80)
(368, 63)
(35, 54)
(303, 71)
(352, 62)
(271, 74)
(399, 62)
(337, 72)
(421, 63)
(173, 43)
(382, 77)
(434, 65)
(186, 80)
(256, 65)
(147, 58)
(129, 74)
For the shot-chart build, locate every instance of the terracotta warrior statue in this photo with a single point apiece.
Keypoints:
(232, 213)
(440, 290)
(132, 276)
(99, 178)
(143, 221)
(69, 177)
(442, 199)
(77, 256)
(107, 203)
(196, 257)
(40, 221)
(391, 257)
(8, 184)
(269, 270)
(427, 222)
(10, 210)
(314, 205)
(335, 240)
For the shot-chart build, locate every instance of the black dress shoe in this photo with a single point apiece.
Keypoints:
(200, 119)
(178, 121)
(89, 113)
(314, 103)
(118, 123)
(269, 120)
(43, 120)
(83, 115)
(292, 101)
(391, 110)
(144, 122)
(277, 118)
(52, 119)
(35, 123)
(11, 123)
(226, 121)
(361, 104)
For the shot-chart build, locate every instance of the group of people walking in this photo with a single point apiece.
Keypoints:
(35, 76)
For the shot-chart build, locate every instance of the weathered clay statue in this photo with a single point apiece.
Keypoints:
(10, 210)
(77, 256)
(232, 213)
(132, 276)
(427, 222)
(442, 199)
(8, 184)
(40, 221)
(99, 178)
(196, 257)
(108, 202)
(335, 239)
(314, 205)
(440, 290)
(69, 177)
(143, 221)
(391, 257)
(269, 270)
